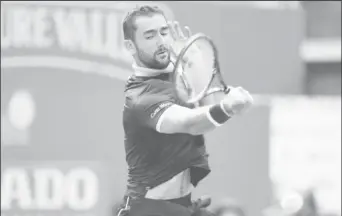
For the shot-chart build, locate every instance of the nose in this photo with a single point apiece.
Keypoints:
(161, 40)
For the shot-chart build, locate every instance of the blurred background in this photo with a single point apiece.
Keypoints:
(63, 69)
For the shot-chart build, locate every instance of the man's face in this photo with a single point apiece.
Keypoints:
(152, 41)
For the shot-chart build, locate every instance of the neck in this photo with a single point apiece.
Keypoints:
(144, 71)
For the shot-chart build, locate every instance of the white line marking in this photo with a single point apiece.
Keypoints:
(78, 65)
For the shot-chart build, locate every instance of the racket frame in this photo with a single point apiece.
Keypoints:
(215, 73)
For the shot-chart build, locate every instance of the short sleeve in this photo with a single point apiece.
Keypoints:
(149, 109)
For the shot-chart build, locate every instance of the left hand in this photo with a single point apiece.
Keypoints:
(199, 207)
(179, 37)
(202, 202)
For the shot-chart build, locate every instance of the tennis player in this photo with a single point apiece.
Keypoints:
(165, 147)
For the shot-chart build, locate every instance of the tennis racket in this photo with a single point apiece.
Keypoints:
(197, 73)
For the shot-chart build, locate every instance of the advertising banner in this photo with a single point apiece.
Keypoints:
(52, 188)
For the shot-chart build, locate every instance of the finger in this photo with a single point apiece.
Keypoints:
(188, 32)
(245, 94)
(240, 88)
(251, 100)
(248, 96)
(172, 30)
(178, 30)
(240, 91)
(244, 91)
(248, 103)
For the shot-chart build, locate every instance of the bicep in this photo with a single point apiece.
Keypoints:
(173, 120)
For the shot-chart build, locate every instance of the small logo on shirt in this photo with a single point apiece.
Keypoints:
(160, 107)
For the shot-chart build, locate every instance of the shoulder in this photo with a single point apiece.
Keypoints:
(149, 93)
(159, 87)
(156, 96)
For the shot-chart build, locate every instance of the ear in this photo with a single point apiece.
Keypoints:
(130, 46)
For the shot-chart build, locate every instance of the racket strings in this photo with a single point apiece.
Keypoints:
(197, 72)
(199, 68)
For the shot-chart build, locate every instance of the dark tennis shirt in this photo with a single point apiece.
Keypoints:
(153, 157)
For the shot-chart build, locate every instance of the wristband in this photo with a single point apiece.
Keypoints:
(230, 114)
(217, 115)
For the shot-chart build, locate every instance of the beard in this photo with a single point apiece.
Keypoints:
(157, 61)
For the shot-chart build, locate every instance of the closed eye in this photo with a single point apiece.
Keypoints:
(164, 31)
(150, 34)
(149, 37)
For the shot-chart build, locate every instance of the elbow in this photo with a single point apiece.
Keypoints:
(196, 133)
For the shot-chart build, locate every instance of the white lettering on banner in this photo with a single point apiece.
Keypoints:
(61, 29)
(42, 26)
(49, 181)
(76, 30)
(15, 186)
(90, 193)
(48, 189)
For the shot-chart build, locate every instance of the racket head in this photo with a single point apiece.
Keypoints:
(197, 76)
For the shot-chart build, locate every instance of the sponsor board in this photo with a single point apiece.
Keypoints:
(51, 188)
(78, 36)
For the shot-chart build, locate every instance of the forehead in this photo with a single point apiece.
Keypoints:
(145, 23)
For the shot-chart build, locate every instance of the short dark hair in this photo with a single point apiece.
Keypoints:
(129, 26)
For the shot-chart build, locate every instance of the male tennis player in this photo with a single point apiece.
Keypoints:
(164, 142)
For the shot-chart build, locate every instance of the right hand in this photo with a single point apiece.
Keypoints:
(237, 101)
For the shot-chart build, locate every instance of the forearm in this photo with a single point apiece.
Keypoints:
(197, 121)
(178, 119)
(201, 121)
